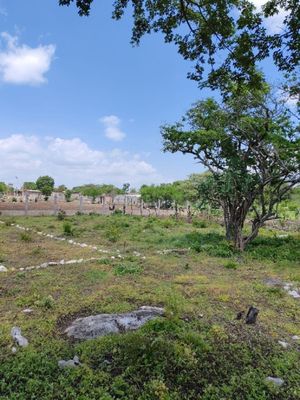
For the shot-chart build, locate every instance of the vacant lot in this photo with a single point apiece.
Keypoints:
(199, 350)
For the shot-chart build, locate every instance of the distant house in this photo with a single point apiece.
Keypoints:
(33, 195)
(128, 199)
(60, 196)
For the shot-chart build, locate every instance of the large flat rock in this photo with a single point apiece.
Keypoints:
(104, 324)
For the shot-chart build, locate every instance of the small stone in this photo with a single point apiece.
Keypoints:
(294, 294)
(285, 345)
(69, 363)
(44, 265)
(3, 269)
(27, 310)
(62, 262)
(52, 263)
(276, 381)
(296, 337)
(14, 350)
(17, 336)
(71, 262)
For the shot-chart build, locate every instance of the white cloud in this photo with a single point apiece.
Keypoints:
(24, 65)
(274, 24)
(112, 128)
(70, 161)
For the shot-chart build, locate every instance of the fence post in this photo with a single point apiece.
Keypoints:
(81, 204)
(141, 207)
(55, 204)
(26, 204)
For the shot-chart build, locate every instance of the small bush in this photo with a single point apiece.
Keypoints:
(61, 215)
(68, 229)
(25, 237)
(117, 212)
(113, 233)
(199, 224)
(230, 265)
(9, 222)
(46, 302)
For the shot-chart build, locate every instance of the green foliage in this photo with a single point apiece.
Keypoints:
(232, 140)
(125, 188)
(25, 237)
(3, 187)
(113, 233)
(166, 359)
(29, 186)
(262, 248)
(230, 265)
(10, 221)
(46, 302)
(199, 224)
(166, 193)
(68, 229)
(96, 275)
(68, 194)
(127, 269)
(61, 215)
(228, 36)
(45, 184)
(93, 191)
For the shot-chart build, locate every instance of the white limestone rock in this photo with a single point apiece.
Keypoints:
(18, 338)
(69, 363)
(105, 324)
(276, 381)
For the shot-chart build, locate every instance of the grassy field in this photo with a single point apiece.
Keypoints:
(197, 351)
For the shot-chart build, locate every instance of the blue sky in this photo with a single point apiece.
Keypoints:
(79, 103)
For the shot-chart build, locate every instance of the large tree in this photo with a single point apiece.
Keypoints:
(251, 147)
(46, 185)
(228, 35)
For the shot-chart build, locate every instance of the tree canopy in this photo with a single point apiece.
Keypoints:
(3, 187)
(45, 184)
(228, 35)
(251, 146)
(93, 190)
(29, 186)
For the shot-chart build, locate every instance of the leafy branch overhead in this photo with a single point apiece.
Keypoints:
(228, 35)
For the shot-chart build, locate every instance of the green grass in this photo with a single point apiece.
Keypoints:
(197, 351)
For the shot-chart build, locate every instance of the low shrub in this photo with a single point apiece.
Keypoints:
(68, 229)
(25, 237)
(61, 215)
(127, 269)
(230, 265)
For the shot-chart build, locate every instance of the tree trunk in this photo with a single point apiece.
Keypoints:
(234, 219)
